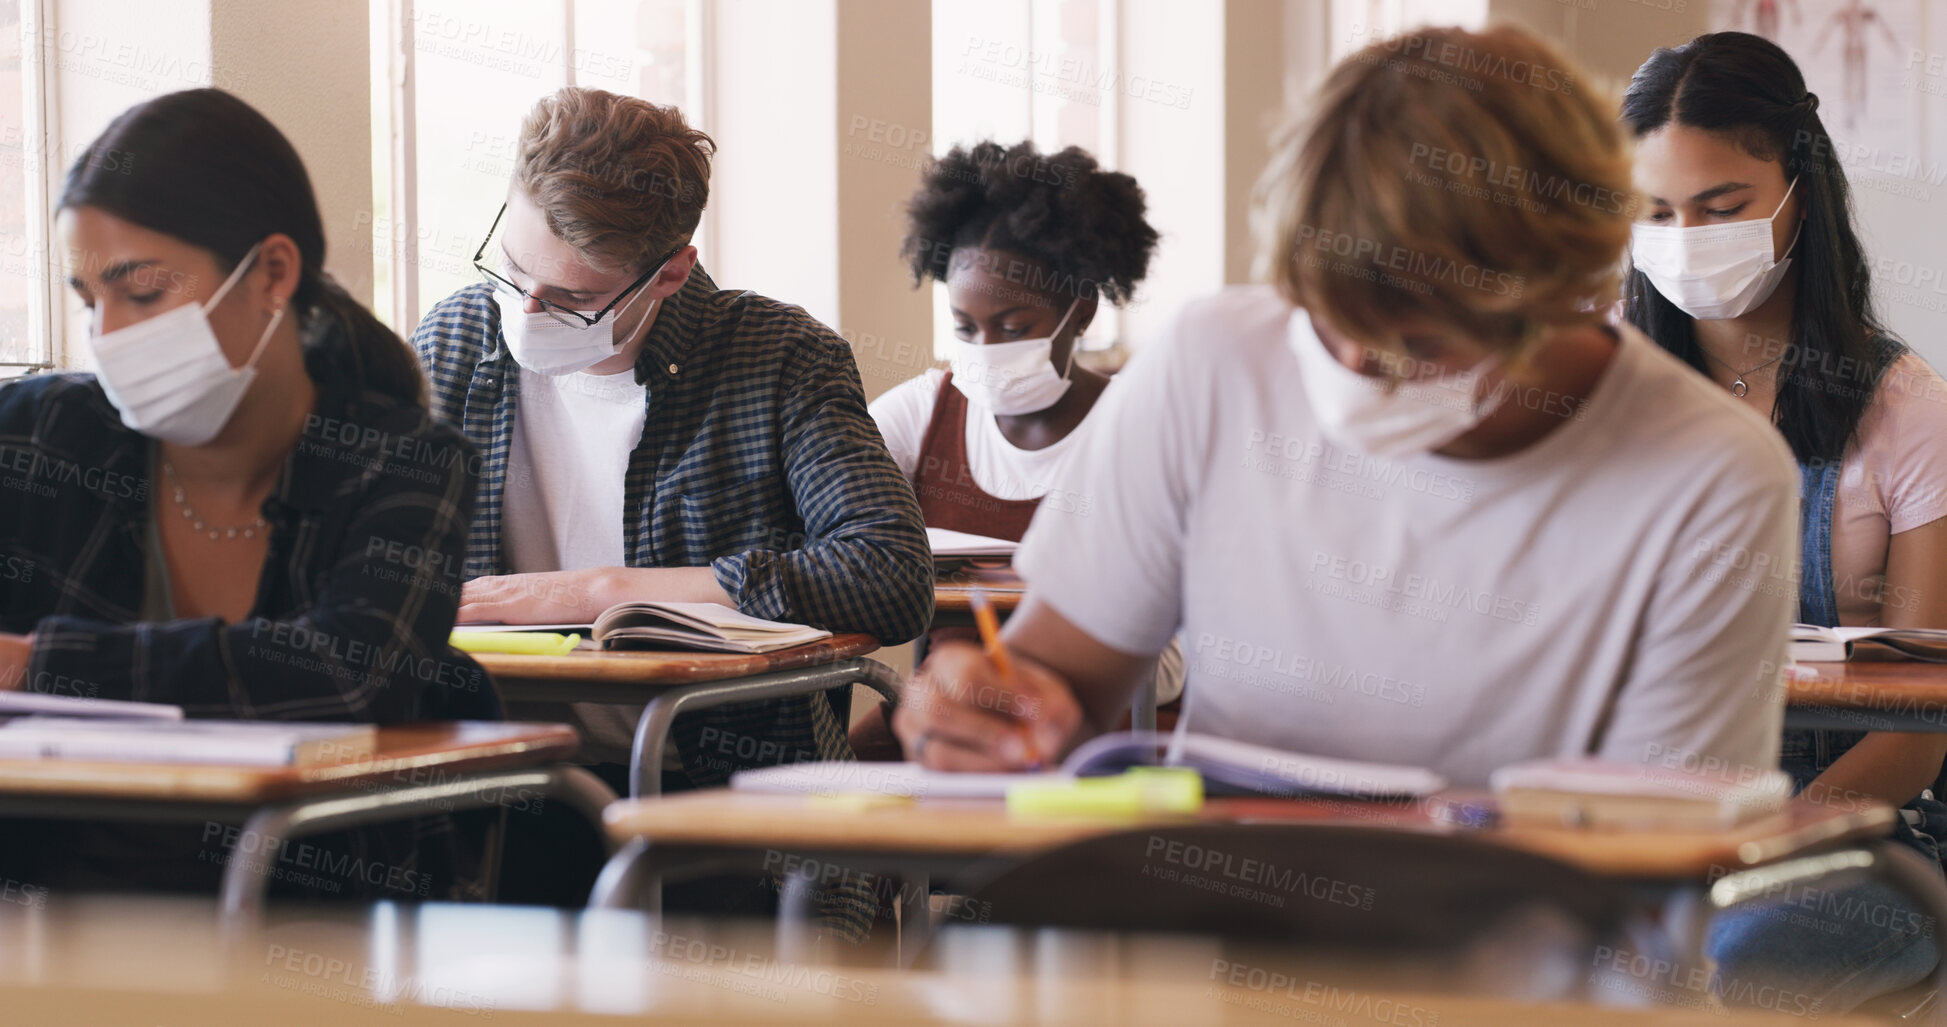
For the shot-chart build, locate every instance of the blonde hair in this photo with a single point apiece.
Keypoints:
(1468, 179)
(620, 179)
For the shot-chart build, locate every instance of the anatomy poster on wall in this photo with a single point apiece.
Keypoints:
(1854, 55)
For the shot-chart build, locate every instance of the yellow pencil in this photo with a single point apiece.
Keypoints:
(990, 636)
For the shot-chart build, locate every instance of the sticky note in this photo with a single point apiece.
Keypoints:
(1132, 793)
(523, 643)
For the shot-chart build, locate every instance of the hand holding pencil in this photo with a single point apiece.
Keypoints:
(985, 708)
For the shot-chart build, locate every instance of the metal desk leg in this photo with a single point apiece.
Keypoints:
(652, 731)
(915, 917)
(628, 881)
(1143, 717)
(244, 881)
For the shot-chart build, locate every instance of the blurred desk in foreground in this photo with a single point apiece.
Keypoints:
(104, 960)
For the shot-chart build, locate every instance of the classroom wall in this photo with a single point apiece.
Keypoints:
(307, 69)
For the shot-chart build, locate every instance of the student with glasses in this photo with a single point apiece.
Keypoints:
(648, 435)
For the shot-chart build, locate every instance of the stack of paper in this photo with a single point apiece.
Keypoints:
(239, 742)
(1607, 794)
(961, 545)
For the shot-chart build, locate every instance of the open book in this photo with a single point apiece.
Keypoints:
(240, 742)
(1812, 643)
(1596, 793)
(650, 625)
(1228, 768)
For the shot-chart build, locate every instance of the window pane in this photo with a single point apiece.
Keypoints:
(479, 66)
(1009, 70)
(23, 265)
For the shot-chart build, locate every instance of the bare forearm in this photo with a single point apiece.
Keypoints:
(1886, 766)
(661, 584)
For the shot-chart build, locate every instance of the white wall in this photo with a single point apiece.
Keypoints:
(775, 177)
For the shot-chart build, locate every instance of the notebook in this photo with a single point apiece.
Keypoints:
(962, 545)
(1606, 794)
(230, 742)
(711, 627)
(1228, 768)
(1812, 643)
(20, 704)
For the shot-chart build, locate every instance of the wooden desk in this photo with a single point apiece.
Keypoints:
(953, 593)
(413, 770)
(960, 841)
(1871, 695)
(669, 683)
(971, 828)
(100, 960)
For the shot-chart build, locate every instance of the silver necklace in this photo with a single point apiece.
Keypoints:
(1738, 388)
(216, 534)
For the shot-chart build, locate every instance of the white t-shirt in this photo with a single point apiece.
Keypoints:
(1000, 468)
(1590, 594)
(562, 510)
(573, 434)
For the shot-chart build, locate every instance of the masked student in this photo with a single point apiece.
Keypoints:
(218, 518)
(649, 435)
(1746, 266)
(1413, 501)
(1028, 245)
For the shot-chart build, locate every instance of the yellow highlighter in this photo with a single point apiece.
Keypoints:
(1134, 792)
(522, 643)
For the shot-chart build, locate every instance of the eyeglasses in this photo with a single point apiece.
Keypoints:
(571, 318)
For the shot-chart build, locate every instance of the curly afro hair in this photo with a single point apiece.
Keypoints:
(1083, 224)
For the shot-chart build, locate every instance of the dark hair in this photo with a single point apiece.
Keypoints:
(1746, 88)
(204, 167)
(1083, 224)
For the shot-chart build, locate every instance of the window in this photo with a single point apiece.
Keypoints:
(453, 80)
(1009, 70)
(25, 281)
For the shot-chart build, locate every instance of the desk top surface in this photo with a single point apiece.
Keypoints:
(405, 755)
(953, 591)
(1885, 686)
(974, 827)
(669, 667)
(93, 960)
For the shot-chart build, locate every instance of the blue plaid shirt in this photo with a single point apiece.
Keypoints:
(757, 459)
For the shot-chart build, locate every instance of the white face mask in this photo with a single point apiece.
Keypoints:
(1713, 272)
(1359, 413)
(546, 346)
(168, 375)
(1012, 378)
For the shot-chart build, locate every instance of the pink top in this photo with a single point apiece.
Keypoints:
(1893, 480)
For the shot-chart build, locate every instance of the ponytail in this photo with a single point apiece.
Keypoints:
(374, 356)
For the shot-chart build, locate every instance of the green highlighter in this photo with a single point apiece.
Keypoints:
(522, 643)
(1134, 792)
